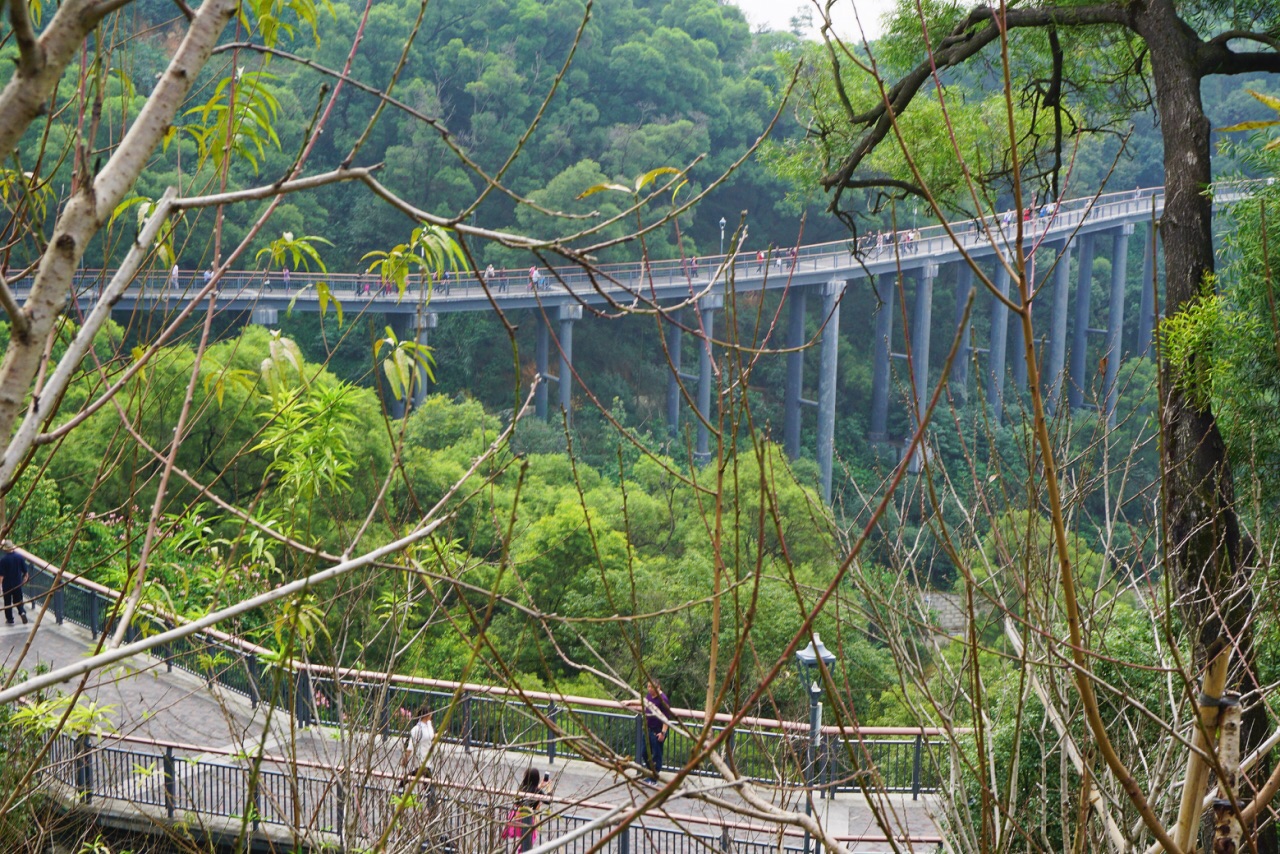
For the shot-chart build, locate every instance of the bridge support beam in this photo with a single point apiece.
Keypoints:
(674, 346)
(997, 346)
(960, 370)
(1115, 316)
(540, 350)
(884, 291)
(567, 315)
(798, 299)
(921, 325)
(832, 292)
(1054, 374)
(1080, 329)
(707, 308)
(424, 323)
(1146, 305)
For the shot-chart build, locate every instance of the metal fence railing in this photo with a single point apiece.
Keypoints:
(1061, 219)
(911, 760)
(332, 804)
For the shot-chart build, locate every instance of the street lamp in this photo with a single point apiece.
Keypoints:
(812, 659)
(722, 224)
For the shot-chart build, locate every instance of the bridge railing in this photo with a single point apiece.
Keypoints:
(636, 277)
(476, 716)
(174, 781)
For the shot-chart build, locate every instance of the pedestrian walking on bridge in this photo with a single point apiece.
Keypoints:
(14, 572)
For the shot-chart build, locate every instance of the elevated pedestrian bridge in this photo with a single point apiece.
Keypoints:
(932, 255)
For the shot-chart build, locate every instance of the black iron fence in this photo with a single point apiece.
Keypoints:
(177, 783)
(478, 716)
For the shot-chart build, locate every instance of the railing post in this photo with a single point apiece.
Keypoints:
(384, 714)
(466, 723)
(93, 613)
(642, 742)
(342, 811)
(59, 604)
(170, 783)
(915, 767)
(84, 769)
(254, 667)
(553, 715)
(624, 840)
(301, 698)
(726, 841)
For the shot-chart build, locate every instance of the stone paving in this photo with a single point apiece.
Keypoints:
(143, 699)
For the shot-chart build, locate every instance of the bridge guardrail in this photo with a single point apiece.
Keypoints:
(485, 716)
(635, 277)
(178, 781)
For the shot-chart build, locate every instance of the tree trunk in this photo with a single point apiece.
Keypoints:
(1206, 552)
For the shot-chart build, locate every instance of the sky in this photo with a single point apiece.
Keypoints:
(776, 14)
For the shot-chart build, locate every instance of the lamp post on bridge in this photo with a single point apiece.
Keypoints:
(812, 659)
(722, 224)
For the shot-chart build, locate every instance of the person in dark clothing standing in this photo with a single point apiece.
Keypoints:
(14, 571)
(657, 715)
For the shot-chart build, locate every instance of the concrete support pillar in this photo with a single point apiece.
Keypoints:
(707, 307)
(921, 324)
(1115, 316)
(402, 326)
(831, 295)
(1080, 329)
(1017, 346)
(674, 346)
(797, 298)
(567, 315)
(884, 285)
(996, 347)
(425, 323)
(540, 351)
(1146, 306)
(1054, 373)
(960, 370)
(262, 316)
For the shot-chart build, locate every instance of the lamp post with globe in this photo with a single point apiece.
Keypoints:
(812, 659)
(722, 225)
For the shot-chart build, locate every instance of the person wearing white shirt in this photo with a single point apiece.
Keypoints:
(418, 746)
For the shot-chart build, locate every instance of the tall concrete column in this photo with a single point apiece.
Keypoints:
(1080, 330)
(402, 326)
(1146, 306)
(540, 350)
(960, 370)
(674, 346)
(831, 295)
(1054, 374)
(797, 298)
(884, 286)
(996, 347)
(1017, 344)
(567, 315)
(707, 307)
(1115, 316)
(921, 324)
(425, 323)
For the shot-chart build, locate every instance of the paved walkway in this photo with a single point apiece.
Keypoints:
(141, 698)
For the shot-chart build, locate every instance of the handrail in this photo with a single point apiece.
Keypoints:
(439, 783)
(910, 241)
(80, 752)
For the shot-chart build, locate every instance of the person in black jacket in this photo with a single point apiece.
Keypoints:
(14, 572)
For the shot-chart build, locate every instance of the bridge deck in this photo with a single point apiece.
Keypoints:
(210, 731)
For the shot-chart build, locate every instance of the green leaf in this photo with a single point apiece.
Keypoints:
(647, 178)
(1270, 101)
(600, 188)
